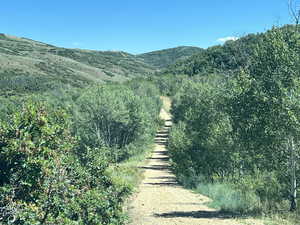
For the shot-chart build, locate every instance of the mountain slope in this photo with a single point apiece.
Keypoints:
(28, 65)
(217, 59)
(163, 58)
(223, 59)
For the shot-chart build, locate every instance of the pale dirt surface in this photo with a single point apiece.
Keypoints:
(161, 201)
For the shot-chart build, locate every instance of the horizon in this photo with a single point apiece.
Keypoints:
(13, 36)
(135, 27)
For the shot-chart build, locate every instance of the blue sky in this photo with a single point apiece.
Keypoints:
(138, 26)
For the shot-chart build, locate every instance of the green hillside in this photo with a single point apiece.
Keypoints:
(223, 59)
(218, 59)
(27, 65)
(166, 57)
(71, 152)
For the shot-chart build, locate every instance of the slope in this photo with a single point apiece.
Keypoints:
(27, 65)
(223, 59)
(163, 58)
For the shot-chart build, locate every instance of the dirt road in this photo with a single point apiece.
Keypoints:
(162, 201)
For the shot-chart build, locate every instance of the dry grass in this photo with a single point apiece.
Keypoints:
(21, 56)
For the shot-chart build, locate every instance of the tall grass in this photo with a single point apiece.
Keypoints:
(224, 195)
(127, 173)
(228, 199)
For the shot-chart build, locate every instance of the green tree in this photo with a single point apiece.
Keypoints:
(264, 107)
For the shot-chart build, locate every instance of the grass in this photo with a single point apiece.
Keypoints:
(127, 173)
(227, 199)
(276, 219)
(282, 218)
(36, 64)
(225, 196)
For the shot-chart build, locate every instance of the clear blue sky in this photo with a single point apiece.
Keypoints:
(138, 26)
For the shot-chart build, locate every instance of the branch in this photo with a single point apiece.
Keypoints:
(294, 11)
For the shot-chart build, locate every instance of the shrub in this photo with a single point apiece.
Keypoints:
(245, 130)
(45, 180)
(113, 116)
(34, 149)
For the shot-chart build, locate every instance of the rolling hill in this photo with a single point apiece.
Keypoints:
(224, 59)
(163, 58)
(28, 65)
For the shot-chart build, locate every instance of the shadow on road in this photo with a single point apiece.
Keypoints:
(197, 214)
(161, 152)
(157, 158)
(163, 184)
(156, 167)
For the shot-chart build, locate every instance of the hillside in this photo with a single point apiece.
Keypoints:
(218, 59)
(223, 59)
(163, 58)
(27, 65)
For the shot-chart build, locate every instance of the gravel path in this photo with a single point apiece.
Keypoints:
(162, 201)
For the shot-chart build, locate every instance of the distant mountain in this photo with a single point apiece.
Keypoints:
(27, 65)
(163, 58)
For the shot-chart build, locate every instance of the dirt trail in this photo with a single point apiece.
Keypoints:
(162, 201)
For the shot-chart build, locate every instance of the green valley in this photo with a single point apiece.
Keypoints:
(76, 125)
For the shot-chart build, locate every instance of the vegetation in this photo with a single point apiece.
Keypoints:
(224, 59)
(70, 143)
(163, 58)
(31, 66)
(53, 172)
(236, 138)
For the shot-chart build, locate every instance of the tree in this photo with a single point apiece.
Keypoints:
(265, 108)
(294, 9)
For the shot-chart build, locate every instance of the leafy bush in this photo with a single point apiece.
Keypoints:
(202, 132)
(34, 150)
(169, 84)
(244, 130)
(114, 116)
(47, 179)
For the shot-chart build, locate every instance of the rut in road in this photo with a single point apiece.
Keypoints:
(162, 201)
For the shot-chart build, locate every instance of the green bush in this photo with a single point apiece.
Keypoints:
(244, 130)
(168, 84)
(202, 133)
(44, 179)
(265, 185)
(113, 116)
(34, 150)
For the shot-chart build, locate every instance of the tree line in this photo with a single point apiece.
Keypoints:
(242, 130)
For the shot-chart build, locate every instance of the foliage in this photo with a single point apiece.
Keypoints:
(239, 130)
(223, 59)
(115, 117)
(163, 58)
(168, 84)
(29, 66)
(52, 173)
(228, 198)
(205, 130)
